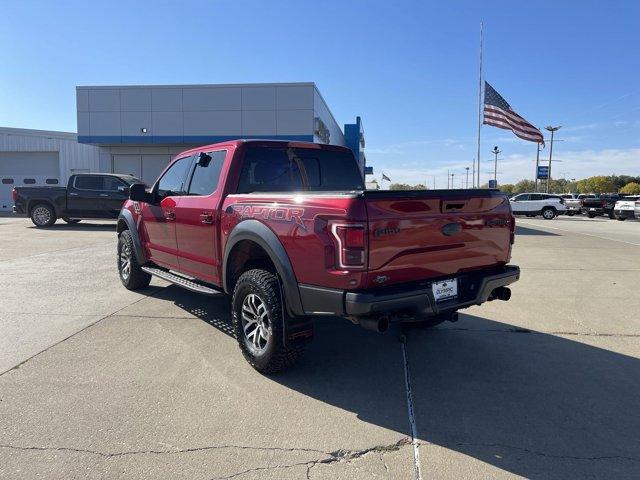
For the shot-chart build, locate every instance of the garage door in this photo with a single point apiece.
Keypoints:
(145, 167)
(19, 169)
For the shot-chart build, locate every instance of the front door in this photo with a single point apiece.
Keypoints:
(115, 194)
(159, 219)
(197, 219)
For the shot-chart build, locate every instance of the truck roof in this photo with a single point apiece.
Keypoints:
(265, 142)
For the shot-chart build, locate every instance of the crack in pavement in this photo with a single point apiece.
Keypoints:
(548, 455)
(332, 458)
(336, 456)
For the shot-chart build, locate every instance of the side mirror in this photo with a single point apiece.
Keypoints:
(138, 193)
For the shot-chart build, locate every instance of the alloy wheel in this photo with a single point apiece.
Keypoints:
(125, 261)
(42, 215)
(255, 323)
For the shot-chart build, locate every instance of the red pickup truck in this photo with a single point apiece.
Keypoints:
(289, 231)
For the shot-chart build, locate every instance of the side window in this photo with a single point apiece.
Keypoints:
(269, 170)
(172, 182)
(535, 196)
(88, 182)
(113, 184)
(205, 177)
(522, 196)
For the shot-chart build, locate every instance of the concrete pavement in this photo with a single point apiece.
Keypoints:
(152, 385)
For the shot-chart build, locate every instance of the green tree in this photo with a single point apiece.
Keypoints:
(597, 184)
(524, 186)
(507, 188)
(399, 186)
(631, 188)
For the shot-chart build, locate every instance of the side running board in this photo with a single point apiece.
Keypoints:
(181, 281)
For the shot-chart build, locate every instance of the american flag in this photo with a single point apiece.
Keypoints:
(498, 113)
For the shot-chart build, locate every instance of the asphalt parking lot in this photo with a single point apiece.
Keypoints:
(100, 382)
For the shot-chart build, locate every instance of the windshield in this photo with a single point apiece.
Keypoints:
(283, 169)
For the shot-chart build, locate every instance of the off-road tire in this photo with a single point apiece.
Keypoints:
(136, 278)
(548, 213)
(71, 221)
(276, 356)
(43, 215)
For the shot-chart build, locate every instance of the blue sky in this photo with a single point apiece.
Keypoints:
(409, 69)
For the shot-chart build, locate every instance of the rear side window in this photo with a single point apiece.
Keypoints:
(87, 182)
(172, 182)
(535, 196)
(206, 174)
(278, 169)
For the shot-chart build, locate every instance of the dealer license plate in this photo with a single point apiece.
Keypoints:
(445, 290)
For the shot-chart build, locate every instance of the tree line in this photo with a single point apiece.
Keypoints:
(624, 184)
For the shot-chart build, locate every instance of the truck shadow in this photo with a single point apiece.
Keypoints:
(526, 402)
(520, 230)
(79, 227)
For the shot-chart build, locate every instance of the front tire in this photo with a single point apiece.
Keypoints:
(43, 215)
(131, 274)
(258, 322)
(548, 213)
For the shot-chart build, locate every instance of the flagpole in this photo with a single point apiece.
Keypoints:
(479, 106)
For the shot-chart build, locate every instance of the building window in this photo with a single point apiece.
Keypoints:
(29, 181)
(7, 181)
(51, 181)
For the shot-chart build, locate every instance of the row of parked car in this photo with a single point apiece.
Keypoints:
(550, 206)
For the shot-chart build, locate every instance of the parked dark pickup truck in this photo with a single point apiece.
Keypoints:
(87, 195)
(288, 229)
(602, 205)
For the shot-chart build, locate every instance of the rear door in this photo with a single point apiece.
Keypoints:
(159, 219)
(535, 203)
(85, 195)
(198, 219)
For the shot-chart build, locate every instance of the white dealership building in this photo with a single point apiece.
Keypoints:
(138, 129)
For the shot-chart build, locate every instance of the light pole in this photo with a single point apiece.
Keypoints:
(537, 164)
(495, 151)
(448, 177)
(552, 130)
(467, 169)
(452, 180)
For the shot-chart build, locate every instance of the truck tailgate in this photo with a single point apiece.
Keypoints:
(428, 234)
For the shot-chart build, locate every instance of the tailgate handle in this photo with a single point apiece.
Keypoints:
(454, 206)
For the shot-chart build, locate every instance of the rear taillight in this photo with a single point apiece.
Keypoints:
(350, 244)
(14, 194)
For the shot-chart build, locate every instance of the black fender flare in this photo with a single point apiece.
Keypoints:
(127, 217)
(262, 235)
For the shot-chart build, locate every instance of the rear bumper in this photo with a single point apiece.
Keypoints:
(624, 213)
(415, 299)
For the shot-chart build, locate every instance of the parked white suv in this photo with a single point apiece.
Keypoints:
(532, 204)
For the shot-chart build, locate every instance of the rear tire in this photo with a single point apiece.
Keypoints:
(71, 221)
(591, 215)
(129, 270)
(258, 323)
(43, 215)
(622, 219)
(548, 213)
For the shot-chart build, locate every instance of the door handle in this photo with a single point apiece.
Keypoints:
(104, 194)
(206, 218)
(170, 215)
(73, 194)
